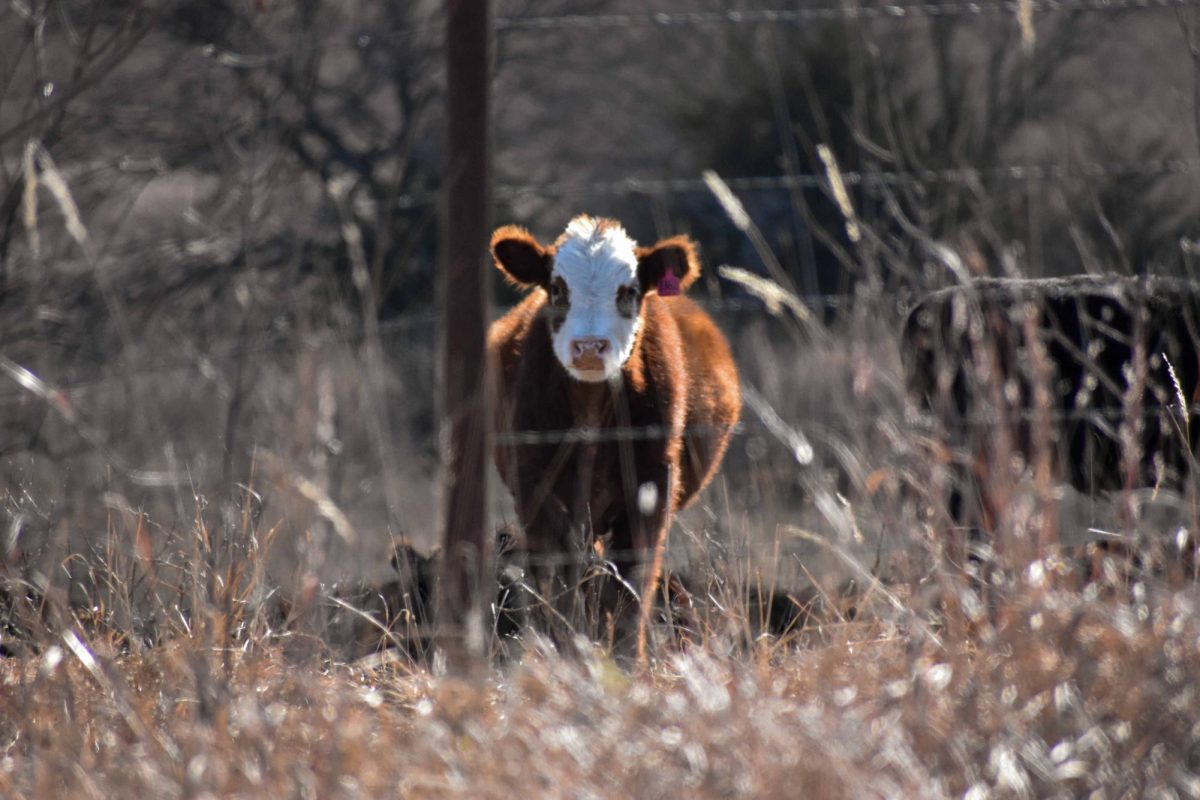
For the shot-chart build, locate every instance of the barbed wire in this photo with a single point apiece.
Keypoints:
(1032, 172)
(61, 396)
(794, 16)
(1045, 172)
(407, 322)
(598, 435)
(517, 23)
(927, 423)
(988, 420)
(55, 398)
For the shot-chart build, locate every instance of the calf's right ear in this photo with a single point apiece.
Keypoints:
(522, 259)
(674, 259)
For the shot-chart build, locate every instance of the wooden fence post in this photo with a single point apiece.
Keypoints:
(464, 315)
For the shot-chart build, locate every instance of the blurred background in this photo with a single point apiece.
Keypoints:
(186, 187)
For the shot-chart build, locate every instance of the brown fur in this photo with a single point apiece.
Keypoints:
(680, 377)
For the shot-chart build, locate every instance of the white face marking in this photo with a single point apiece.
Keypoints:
(595, 261)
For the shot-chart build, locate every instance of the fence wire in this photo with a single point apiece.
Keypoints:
(62, 398)
(506, 24)
(765, 420)
(982, 420)
(1040, 173)
(1050, 172)
(796, 16)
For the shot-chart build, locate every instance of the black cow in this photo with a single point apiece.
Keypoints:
(1108, 392)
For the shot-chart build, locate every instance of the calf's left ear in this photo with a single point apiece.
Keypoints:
(668, 266)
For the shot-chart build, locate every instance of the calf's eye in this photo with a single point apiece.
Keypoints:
(627, 297)
(558, 293)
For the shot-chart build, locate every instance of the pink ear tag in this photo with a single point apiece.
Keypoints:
(668, 285)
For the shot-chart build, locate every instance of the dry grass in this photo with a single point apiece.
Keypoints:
(1031, 687)
(838, 646)
(1068, 697)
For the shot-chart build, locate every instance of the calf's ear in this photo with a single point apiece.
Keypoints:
(668, 266)
(522, 259)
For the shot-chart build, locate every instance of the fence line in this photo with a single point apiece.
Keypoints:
(768, 425)
(978, 420)
(616, 433)
(59, 395)
(1039, 173)
(405, 323)
(767, 422)
(516, 23)
(961, 175)
(778, 16)
(1032, 172)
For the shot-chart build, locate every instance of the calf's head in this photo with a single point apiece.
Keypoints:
(596, 279)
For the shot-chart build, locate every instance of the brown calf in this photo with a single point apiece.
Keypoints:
(616, 399)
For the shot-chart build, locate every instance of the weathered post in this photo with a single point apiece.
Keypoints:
(466, 418)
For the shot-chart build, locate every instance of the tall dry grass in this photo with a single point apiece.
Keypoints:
(1050, 692)
(840, 643)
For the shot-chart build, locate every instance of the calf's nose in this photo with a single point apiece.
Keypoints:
(588, 353)
(589, 345)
